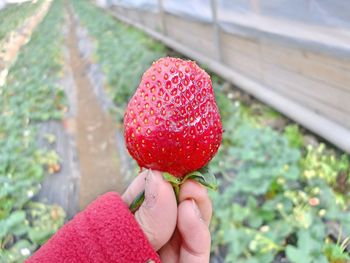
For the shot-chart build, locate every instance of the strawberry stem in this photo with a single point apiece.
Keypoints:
(176, 188)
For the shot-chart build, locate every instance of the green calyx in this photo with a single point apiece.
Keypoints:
(203, 176)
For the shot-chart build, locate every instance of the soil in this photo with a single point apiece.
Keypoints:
(87, 48)
(94, 131)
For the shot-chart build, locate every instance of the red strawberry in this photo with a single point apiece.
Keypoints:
(172, 123)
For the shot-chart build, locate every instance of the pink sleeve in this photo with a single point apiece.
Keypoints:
(104, 232)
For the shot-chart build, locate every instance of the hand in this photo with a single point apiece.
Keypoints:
(179, 233)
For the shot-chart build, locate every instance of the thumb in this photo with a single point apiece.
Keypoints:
(158, 213)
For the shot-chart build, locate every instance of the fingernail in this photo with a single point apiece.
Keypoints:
(196, 210)
(151, 190)
(143, 173)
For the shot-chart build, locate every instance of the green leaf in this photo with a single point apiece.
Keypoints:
(15, 218)
(255, 221)
(296, 255)
(39, 235)
(9, 224)
(171, 179)
(307, 243)
(336, 253)
(204, 176)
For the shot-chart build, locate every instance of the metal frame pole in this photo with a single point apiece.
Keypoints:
(255, 5)
(216, 30)
(162, 17)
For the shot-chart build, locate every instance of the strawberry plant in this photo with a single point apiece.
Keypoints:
(30, 96)
(267, 208)
(14, 15)
(294, 136)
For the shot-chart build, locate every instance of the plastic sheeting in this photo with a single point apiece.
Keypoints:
(334, 13)
(147, 5)
(2, 4)
(316, 12)
(195, 9)
(319, 23)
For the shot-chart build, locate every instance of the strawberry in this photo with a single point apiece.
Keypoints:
(172, 123)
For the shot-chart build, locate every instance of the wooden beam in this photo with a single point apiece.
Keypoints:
(216, 33)
(162, 17)
(255, 5)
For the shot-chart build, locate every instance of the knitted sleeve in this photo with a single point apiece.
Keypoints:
(104, 232)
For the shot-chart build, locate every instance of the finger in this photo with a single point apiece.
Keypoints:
(193, 190)
(158, 213)
(135, 188)
(169, 253)
(195, 247)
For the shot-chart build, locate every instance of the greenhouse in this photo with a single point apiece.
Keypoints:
(175, 131)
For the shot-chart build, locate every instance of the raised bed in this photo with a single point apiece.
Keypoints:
(30, 97)
(15, 15)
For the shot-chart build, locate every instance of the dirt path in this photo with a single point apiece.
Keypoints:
(18, 38)
(94, 132)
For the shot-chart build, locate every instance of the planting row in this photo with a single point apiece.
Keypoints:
(30, 97)
(14, 15)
